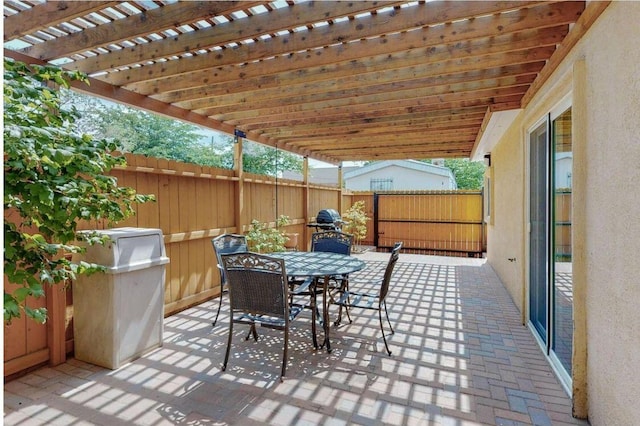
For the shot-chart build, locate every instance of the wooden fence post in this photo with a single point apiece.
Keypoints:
(375, 220)
(56, 311)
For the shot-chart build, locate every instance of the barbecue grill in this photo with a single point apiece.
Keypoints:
(327, 219)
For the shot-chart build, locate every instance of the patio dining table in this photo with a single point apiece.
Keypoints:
(318, 265)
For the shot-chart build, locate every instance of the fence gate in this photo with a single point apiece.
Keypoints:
(448, 223)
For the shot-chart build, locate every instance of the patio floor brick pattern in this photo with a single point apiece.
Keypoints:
(460, 357)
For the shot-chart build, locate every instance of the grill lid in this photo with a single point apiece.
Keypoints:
(328, 216)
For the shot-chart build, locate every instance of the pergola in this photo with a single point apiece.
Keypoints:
(334, 81)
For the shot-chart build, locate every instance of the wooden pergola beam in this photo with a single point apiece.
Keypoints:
(393, 128)
(369, 95)
(390, 140)
(363, 120)
(376, 25)
(546, 15)
(383, 104)
(229, 32)
(47, 14)
(356, 85)
(137, 25)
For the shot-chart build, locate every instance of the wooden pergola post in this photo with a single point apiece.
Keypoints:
(340, 187)
(239, 173)
(305, 199)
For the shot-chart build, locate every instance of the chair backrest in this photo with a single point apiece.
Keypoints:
(257, 284)
(395, 254)
(332, 241)
(228, 243)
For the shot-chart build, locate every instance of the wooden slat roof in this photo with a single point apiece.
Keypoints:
(336, 81)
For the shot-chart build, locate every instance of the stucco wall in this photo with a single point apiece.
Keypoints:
(612, 240)
(505, 238)
(606, 178)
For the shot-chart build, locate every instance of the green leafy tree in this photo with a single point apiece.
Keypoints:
(145, 133)
(149, 134)
(88, 107)
(468, 174)
(54, 177)
(265, 160)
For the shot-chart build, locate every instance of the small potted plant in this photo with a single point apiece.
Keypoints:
(356, 224)
(263, 239)
(291, 242)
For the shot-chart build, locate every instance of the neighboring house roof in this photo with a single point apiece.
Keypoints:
(329, 175)
(409, 164)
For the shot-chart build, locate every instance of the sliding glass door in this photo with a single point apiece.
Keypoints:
(550, 250)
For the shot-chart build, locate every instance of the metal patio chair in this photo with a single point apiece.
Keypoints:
(334, 242)
(324, 241)
(259, 294)
(376, 301)
(225, 244)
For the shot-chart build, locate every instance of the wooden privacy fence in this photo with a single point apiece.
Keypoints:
(446, 223)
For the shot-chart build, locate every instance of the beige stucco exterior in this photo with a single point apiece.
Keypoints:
(602, 76)
(506, 221)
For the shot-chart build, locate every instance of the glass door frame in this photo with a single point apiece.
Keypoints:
(539, 321)
(546, 342)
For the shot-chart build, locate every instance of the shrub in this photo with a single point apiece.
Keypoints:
(54, 178)
(261, 238)
(356, 222)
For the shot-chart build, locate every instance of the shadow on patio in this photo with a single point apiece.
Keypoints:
(460, 356)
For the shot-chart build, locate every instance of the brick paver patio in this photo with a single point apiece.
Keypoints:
(460, 357)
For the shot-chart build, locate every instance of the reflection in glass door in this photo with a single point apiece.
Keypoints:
(562, 312)
(550, 250)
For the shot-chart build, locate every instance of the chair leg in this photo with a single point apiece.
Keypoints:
(218, 313)
(314, 295)
(343, 288)
(346, 307)
(387, 315)
(339, 320)
(382, 329)
(314, 313)
(284, 353)
(252, 331)
(226, 355)
(318, 316)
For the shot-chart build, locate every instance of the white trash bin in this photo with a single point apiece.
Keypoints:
(118, 315)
